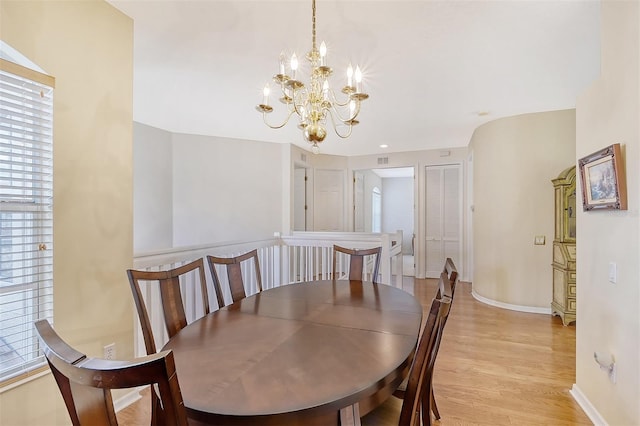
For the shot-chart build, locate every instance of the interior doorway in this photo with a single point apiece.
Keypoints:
(393, 190)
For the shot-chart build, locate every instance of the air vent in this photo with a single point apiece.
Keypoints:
(383, 160)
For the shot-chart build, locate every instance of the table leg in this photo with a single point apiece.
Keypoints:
(350, 416)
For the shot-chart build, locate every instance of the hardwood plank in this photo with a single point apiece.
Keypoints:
(495, 367)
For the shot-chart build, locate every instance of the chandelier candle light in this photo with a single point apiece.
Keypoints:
(313, 103)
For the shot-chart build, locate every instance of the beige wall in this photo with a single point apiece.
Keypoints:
(609, 314)
(88, 47)
(515, 159)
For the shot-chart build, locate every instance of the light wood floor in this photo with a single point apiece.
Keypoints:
(495, 367)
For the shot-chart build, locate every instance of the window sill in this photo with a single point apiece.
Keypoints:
(21, 379)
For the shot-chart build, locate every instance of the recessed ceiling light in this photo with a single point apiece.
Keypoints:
(384, 145)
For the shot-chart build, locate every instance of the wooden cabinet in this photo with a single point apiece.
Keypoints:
(564, 247)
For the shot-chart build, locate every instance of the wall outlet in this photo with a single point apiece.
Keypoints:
(539, 240)
(110, 351)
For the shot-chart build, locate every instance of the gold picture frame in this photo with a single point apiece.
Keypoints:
(603, 181)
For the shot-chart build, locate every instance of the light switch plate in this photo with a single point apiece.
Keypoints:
(539, 240)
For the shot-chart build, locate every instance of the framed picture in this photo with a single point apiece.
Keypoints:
(603, 181)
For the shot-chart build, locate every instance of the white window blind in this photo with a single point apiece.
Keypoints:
(26, 217)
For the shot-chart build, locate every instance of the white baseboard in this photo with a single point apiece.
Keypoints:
(519, 308)
(586, 406)
(129, 398)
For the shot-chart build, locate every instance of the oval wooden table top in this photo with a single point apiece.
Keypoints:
(297, 354)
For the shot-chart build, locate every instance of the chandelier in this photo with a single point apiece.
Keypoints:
(316, 101)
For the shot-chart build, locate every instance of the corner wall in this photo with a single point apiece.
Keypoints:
(608, 315)
(152, 189)
(515, 159)
(88, 47)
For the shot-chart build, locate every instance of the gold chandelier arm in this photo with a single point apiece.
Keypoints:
(278, 126)
(335, 101)
(348, 123)
(351, 119)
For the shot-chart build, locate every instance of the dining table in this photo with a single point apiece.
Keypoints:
(315, 353)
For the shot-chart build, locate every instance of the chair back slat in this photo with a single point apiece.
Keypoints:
(357, 262)
(236, 283)
(235, 278)
(173, 305)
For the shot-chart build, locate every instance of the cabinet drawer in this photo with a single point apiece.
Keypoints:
(571, 305)
(572, 276)
(571, 290)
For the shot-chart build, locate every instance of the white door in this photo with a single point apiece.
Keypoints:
(443, 212)
(300, 199)
(328, 203)
(358, 202)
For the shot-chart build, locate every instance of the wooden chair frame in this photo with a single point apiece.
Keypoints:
(416, 399)
(234, 274)
(444, 294)
(173, 308)
(356, 262)
(172, 303)
(86, 383)
(451, 273)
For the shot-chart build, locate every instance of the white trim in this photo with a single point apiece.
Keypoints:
(129, 398)
(587, 407)
(519, 308)
(27, 379)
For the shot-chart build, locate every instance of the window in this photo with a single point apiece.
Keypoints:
(26, 217)
(376, 210)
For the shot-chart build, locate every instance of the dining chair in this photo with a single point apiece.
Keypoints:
(86, 383)
(234, 274)
(358, 261)
(444, 292)
(415, 404)
(451, 272)
(173, 306)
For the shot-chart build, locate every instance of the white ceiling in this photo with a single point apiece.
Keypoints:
(430, 67)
